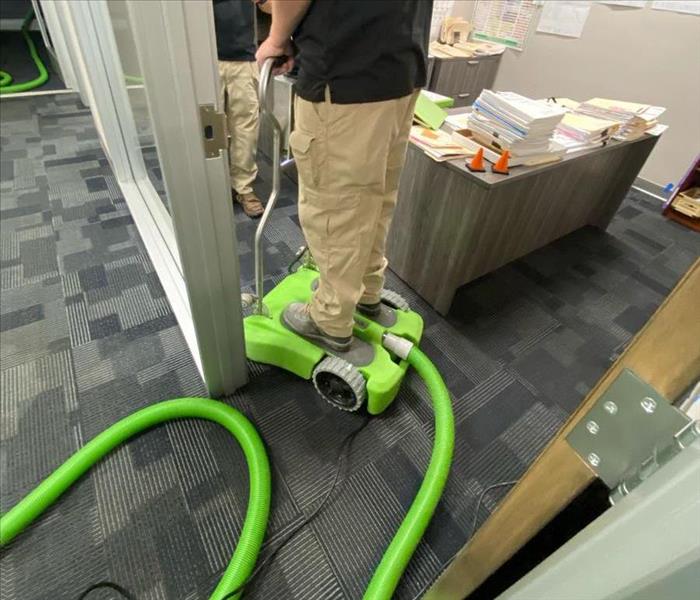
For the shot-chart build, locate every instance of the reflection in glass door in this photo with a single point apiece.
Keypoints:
(136, 92)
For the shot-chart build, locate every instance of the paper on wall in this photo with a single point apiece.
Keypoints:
(691, 7)
(630, 3)
(503, 21)
(564, 17)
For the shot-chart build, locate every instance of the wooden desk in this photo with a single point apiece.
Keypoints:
(452, 226)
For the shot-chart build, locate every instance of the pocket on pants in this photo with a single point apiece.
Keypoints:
(333, 221)
(302, 145)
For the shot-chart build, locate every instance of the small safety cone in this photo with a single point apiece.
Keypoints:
(501, 165)
(476, 164)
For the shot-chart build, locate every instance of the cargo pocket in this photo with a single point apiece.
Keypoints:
(302, 144)
(335, 221)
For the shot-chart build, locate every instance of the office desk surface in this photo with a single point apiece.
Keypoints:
(488, 178)
(472, 223)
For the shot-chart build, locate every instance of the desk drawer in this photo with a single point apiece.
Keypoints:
(462, 78)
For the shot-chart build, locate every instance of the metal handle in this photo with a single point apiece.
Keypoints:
(472, 62)
(465, 95)
(266, 113)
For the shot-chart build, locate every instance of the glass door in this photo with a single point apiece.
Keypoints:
(152, 79)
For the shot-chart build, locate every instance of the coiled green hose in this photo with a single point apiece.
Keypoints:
(253, 532)
(401, 549)
(41, 79)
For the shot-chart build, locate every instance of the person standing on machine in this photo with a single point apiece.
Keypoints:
(361, 64)
(238, 74)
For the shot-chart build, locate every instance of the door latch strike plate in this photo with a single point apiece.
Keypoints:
(214, 132)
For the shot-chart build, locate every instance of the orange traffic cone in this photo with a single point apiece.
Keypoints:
(501, 165)
(476, 164)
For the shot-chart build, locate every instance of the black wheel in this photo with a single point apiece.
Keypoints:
(339, 383)
(395, 300)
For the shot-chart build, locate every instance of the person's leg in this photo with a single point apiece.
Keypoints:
(342, 153)
(242, 117)
(373, 279)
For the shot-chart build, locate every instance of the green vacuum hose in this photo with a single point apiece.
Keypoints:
(253, 532)
(411, 530)
(397, 555)
(6, 78)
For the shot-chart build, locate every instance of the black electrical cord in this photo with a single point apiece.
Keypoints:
(481, 499)
(344, 452)
(109, 585)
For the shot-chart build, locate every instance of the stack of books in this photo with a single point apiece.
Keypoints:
(523, 126)
(634, 119)
(578, 131)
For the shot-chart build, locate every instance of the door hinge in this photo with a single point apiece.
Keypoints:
(629, 433)
(214, 132)
(660, 457)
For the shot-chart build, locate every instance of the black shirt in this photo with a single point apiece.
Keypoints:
(235, 31)
(364, 50)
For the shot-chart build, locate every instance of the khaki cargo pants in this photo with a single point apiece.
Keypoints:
(349, 158)
(238, 93)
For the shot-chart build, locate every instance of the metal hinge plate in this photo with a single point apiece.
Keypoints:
(628, 423)
(214, 132)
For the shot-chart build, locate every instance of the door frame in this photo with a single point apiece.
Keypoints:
(194, 248)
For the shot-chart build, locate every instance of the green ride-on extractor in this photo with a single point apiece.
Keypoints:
(370, 372)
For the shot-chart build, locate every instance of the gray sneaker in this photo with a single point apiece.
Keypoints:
(379, 313)
(298, 318)
(370, 310)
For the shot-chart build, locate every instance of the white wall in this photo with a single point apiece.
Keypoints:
(633, 54)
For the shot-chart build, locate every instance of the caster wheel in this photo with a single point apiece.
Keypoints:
(395, 300)
(339, 383)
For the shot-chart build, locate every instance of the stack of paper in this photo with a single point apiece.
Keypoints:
(465, 49)
(578, 131)
(634, 119)
(438, 145)
(523, 126)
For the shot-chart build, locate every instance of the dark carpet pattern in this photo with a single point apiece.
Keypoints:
(88, 337)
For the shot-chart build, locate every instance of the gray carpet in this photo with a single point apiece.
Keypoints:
(88, 337)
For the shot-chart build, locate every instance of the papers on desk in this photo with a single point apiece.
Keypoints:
(577, 132)
(634, 119)
(523, 126)
(458, 121)
(472, 142)
(565, 103)
(438, 145)
(465, 49)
